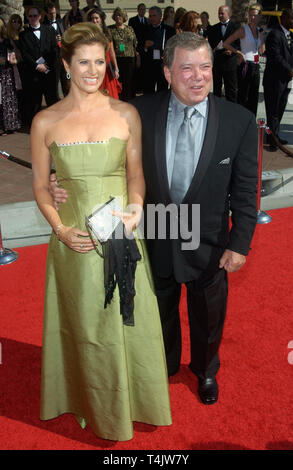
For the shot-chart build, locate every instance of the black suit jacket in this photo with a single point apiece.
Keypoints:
(167, 32)
(215, 36)
(60, 26)
(139, 29)
(225, 179)
(279, 61)
(32, 48)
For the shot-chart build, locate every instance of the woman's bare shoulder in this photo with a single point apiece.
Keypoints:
(47, 119)
(50, 114)
(127, 110)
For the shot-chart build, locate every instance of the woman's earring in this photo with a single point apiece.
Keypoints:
(68, 76)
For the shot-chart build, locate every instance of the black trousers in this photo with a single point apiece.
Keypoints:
(248, 86)
(207, 302)
(126, 67)
(35, 86)
(229, 77)
(276, 96)
(153, 77)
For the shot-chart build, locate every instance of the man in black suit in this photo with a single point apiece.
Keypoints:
(225, 62)
(218, 172)
(139, 24)
(39, 53)
(278, 73)
(51, 19)
(155, 38)
(213, 165)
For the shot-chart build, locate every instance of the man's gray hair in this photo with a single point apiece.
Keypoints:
(158, 10)
(185, 40)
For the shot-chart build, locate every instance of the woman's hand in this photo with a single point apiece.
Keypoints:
(148, 43)
(129, 219)
(76, 239)
(12, 58)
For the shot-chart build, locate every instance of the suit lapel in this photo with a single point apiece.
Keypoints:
(34, 40)
(43, 37)
(60, 27)
(219, 33)
(160, 142)
(284, 38)
(205, 155)
(227, 32)
(206, 151)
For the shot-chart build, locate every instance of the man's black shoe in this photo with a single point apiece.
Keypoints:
(272, 148)
(208, 390)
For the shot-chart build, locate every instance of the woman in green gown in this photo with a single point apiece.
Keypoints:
(106, 373)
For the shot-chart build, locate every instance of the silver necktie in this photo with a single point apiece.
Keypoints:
(184, 158)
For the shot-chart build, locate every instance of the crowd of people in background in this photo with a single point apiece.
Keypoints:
(31, 65)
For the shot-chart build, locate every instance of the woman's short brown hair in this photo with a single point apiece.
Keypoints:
(120, 12)
(81, 34)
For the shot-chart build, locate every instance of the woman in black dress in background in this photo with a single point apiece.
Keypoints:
(9, 120)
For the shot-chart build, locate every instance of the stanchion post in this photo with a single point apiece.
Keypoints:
(6, 256)
(262, 217)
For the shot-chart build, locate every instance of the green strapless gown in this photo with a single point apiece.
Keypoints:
(93, 366)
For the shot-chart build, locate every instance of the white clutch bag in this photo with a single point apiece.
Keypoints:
(102, 222)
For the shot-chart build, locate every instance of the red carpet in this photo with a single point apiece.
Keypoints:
(255, 408)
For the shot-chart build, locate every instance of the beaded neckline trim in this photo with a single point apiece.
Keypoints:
(69, 144)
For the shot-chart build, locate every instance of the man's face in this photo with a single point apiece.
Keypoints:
(224, 14)
(34, 17)
(154, 17)
(52, 14)
(287, 22)
(141, 11)
(190, 75)
(74, 3)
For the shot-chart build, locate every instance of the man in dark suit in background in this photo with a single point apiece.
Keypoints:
(38, 48)
(51, 19)
(225, 62)
(278, 73)
(139, 24)
(197, 149)
(155, 38)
